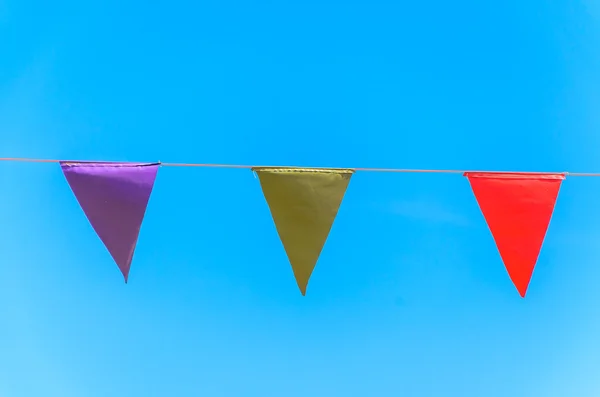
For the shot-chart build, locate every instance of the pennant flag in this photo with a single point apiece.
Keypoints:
(114, 197)
(517, 208)
(304, 203)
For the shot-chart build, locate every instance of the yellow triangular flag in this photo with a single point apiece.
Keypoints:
(304, 203)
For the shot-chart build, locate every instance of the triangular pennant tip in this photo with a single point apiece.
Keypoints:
(517, 208)
(114, 198)
(303, 203)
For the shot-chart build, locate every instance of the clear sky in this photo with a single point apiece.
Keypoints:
(409, 297)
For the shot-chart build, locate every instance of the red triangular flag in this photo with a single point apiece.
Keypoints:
(517, 208)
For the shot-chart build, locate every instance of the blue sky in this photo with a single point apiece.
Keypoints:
(409, 298)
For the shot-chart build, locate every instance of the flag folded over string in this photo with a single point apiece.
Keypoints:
(114, 197)
(517, 208)
(304, 203)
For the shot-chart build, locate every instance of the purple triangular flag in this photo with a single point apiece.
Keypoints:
(114, 197)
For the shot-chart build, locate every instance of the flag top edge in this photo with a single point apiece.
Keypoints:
(68, 163)
(304, 170)
(515, 175)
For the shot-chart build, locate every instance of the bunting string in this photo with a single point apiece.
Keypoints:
(304, 202)
(361, 169)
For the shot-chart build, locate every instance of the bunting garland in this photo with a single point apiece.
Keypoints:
(304, 203)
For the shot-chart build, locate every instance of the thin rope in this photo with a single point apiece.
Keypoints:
(362, 169)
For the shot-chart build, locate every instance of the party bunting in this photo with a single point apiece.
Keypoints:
(304, 203)
(517, 208)
(114, 197)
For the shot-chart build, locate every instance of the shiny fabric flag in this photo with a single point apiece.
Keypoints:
(304, 203)
(517, 208)
(114, 197)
